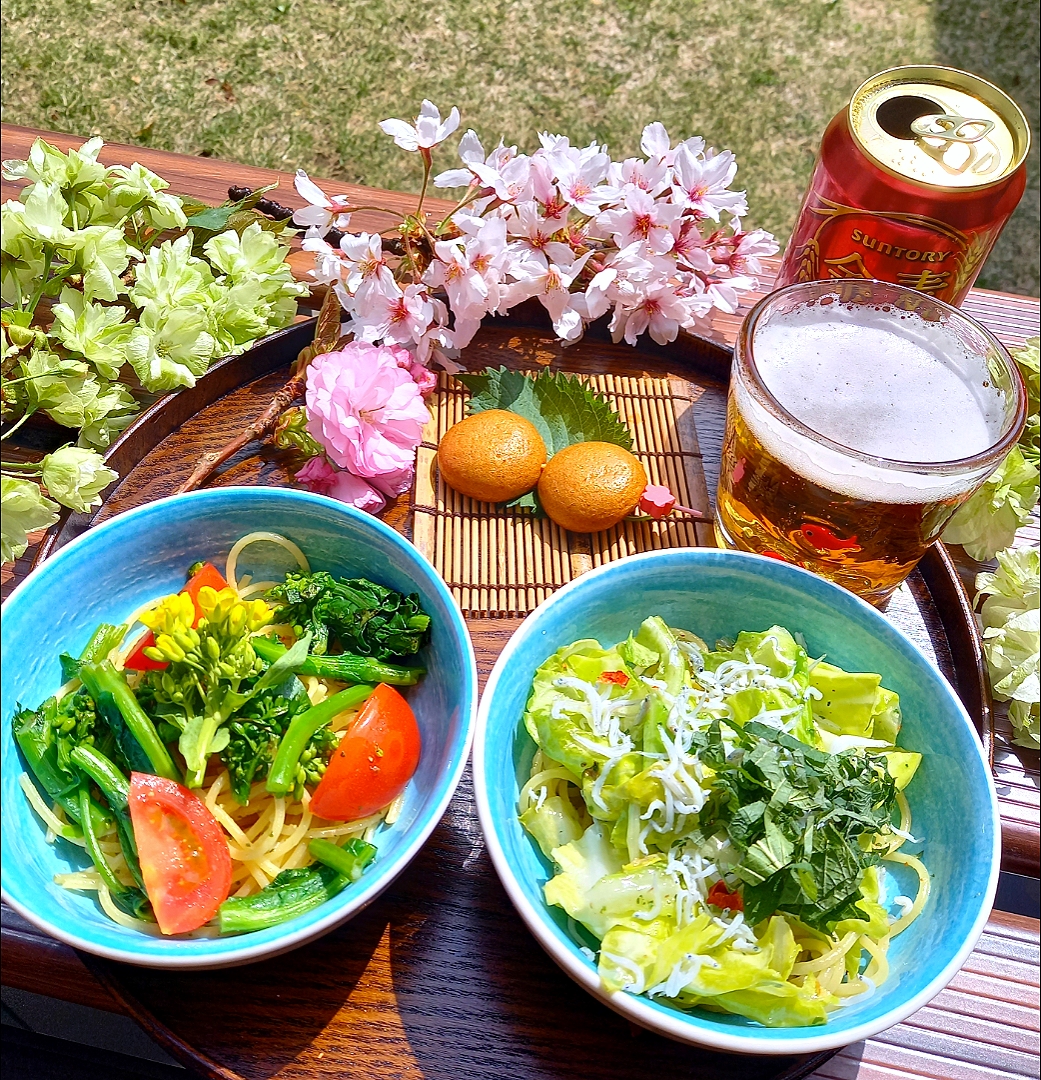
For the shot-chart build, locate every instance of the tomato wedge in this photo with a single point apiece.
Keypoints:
(721, 897)
(375, 759)
(184, 856)
(207, 574)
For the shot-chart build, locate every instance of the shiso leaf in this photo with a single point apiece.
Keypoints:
(562, 408)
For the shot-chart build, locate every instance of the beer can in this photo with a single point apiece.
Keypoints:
(913, 183)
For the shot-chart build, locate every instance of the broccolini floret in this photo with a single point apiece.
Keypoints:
(255, 733)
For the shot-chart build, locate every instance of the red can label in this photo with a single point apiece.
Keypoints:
(833, 240)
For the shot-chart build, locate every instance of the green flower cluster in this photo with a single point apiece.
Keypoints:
(103, 271)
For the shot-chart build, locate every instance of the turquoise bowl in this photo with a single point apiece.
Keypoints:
(108, 573)
(717, 594)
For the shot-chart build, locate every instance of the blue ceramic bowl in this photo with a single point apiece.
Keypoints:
(109, 572)
(717, 594)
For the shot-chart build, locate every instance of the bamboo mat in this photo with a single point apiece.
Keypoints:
(500, 561)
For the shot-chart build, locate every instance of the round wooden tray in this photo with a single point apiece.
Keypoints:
(439, 978)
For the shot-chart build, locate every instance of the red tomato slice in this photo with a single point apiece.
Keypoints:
(375, 759)
(184, 855)
(207, 574)
(721, 897)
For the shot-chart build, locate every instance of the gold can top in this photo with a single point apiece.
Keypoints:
(939, 127)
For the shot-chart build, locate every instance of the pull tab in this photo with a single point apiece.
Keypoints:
(962, 129)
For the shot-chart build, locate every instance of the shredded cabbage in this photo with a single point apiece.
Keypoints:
(718, 818)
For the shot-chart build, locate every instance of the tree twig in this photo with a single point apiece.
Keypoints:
(326, 337)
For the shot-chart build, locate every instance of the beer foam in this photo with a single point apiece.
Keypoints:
(884, 383)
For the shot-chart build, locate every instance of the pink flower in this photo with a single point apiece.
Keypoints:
(353, 489)
(424, 378)
(701, 183)
(366, 411)
(319, 476)
(659, 309)
(323, 212)
(657, 500)
(642, 219)
(316, 475)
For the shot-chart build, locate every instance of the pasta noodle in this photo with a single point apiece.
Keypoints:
(256, 537)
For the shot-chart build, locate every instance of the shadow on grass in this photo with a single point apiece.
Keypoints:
(998, 39)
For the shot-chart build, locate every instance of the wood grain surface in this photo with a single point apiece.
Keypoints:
(439, 978)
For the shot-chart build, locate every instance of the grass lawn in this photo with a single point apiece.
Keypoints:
(288, 83)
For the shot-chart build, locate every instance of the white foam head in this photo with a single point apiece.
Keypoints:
(886, 383)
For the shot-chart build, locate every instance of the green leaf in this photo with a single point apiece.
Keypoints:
(562, 408)
(213, 219)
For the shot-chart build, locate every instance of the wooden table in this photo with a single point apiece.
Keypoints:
(381, 976)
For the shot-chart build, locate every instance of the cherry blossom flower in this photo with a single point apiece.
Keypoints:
(319, 476)
(552, 287)
(701, 183)
(395, 315)
(323, 212)
(661, 311)
(653, 176)
(424, 378)
(532, 240)
(367, 266)
(655, 141)
(510, 179)
(451, 270)
(577, 182)
(641, 218)
(328, 265)
(739, 255)
(471, 152)
(367, 412)
(428, 131)
(566, 224)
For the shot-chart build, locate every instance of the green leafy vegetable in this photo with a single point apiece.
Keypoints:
(1012, 637)
(287, 770)
(1028, 360)
(133, 729)
(988, 521)
(343, 666)
(363, 617)
(255, 732)
(679, 781)
(295, 892)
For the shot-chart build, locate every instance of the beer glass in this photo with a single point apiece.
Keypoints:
(861, 415)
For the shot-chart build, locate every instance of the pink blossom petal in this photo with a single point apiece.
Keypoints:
(353, 489)
(317, 475)
(657, 500)
(392, 484)
(424, 378)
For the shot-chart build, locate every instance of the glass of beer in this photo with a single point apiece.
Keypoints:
(861, 415)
